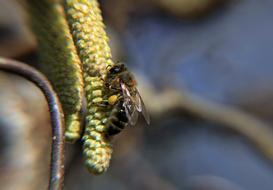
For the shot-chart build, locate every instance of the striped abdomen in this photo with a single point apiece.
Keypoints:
(117, 119)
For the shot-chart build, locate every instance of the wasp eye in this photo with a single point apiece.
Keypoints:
(114, 70)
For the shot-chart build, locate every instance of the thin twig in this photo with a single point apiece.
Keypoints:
(56, 115)
(254, 130)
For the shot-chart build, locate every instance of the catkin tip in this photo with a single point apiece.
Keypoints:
(73, 128)
(97, 154)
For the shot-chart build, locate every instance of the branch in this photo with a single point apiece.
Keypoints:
(56, 115)
(255, 131)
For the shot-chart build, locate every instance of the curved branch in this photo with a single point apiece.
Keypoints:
(254, 130)
(56, 116)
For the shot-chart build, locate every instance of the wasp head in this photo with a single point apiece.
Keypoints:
(116, 69)
(117, 74)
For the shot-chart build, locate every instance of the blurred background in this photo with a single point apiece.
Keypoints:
(220, 51)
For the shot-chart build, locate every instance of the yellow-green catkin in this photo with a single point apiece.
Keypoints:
(88, 31)
(59, 59)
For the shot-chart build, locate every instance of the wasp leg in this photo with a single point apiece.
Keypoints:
(114, 88)
(103, 104)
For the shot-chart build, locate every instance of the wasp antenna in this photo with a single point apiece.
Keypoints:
(108, 67)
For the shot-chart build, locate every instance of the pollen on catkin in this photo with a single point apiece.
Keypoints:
(88, 31)
(59, 59)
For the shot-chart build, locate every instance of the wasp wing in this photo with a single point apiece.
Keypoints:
(129, 106)
(134, 105)
(141, 107)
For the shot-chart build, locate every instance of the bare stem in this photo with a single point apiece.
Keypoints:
(56, 116)
(255, 131)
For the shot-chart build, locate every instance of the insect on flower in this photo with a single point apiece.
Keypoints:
(125, 98)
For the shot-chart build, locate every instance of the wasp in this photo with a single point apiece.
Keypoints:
(125, 98)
